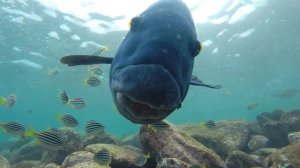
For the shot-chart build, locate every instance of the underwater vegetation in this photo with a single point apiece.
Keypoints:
(225, 144)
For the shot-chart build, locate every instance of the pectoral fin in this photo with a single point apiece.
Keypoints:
(195, 81)
(73, 60)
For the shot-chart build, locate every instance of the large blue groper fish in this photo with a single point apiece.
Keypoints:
(152, 69)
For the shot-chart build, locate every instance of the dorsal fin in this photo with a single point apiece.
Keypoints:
(73, 60)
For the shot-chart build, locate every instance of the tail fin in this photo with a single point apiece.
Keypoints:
(30, 132)
(73, 60)
(58, 116)
(2, 101)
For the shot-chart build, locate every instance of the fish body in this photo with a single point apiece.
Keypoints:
(9, 101)
(210, 124)
(68, 120)
(103, 157)
(93, 128)
(77, 103)
(150, 74)
(92, 81)
(47, 139)
(13, 128)
(141, 160)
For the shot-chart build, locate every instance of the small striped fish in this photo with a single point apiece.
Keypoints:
(68, 120)
(159, 126)
(49, 140)
(92, 81)
(141, 160)
(11, 100)
(95, 70)
(77, 103)
(13, 128)
(210, 124)
(63, 97)
(103, 157)
(92, 127)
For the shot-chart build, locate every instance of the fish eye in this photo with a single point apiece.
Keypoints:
(195, 48)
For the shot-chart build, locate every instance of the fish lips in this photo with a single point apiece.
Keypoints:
(145, 93)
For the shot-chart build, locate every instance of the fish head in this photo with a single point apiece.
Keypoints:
(150, 74)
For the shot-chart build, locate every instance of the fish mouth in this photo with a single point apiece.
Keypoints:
(145, 93)
(140, 112)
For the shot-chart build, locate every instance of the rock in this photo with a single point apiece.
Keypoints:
(27, 164)
(172, 163)
(133, 140)
(47, 165)
(294, 137)
(224, 138)
(72, 142)
(257, 142)
(278, 124)
(29, 151)
(4, 163)
(173, 143)
(239, 159)
(285, 157)
(264, 152)
(121, 157)
(101, 138)
(80, 159)
(255, 129)
(14, 143)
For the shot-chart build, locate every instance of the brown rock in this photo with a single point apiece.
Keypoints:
(278, 124)
(224, 138)
(72, 142)
(285, 157)
(80, 159)
(172, 163)
(173, 143)
(101, 138)
(239, 159)
(4, 163)
(121, 157)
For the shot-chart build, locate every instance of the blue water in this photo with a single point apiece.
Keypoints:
(251, 68)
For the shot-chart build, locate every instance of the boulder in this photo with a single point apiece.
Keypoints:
(264, 152)
(173, 143)
(172, 163)
(278, 124)
(121, 157)
(257, 142)
(285, 157)
(80, 159)
(72, 142)
(4, 162)
(294, 137)
(29, 151)
(224, 138)
(239, 159)
(101, 138)
(27, 164)
(133, 140)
